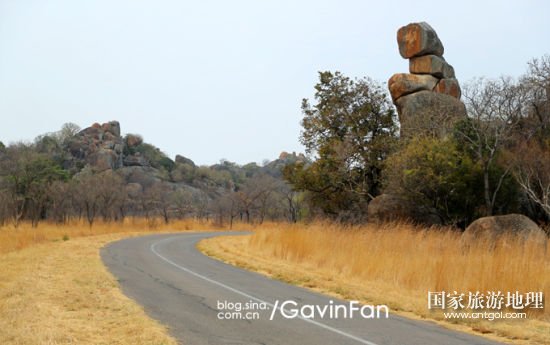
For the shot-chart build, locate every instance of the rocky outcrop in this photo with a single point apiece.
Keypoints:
(184, 160)
(146, 177)
(135, 159)
(99, 146)
(491, 228)
(430, 94)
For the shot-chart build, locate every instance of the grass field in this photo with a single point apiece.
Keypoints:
(60, 293)
(25, 235)
(396, 265)
(56, 290)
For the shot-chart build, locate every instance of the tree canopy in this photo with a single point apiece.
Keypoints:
(350, 129)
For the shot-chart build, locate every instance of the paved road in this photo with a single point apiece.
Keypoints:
(185, 290)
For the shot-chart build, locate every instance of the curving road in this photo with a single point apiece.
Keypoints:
(191, 294)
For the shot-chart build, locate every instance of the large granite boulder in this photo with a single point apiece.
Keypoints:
(112, 127)
(448, 86)
(427, 99)
(431, 64)
(428, 112)
(184, 160)
(402, 84)
(135, 159)
(144, 176)
(491, 228)
(103, 159)
(418, 39)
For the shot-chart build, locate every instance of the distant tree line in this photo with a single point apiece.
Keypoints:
(37, 184)
(495, 161)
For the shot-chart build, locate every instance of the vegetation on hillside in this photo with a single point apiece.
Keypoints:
(495, 161)
(42, 180)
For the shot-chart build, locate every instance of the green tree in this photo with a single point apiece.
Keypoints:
(26, 176)
(351, 130)
(437, 178)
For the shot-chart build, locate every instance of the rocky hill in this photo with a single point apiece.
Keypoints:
(101, 147)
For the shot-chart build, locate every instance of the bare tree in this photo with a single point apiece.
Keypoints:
(537, 83)
(292, 199)
(495, 108)
(164, 201)
(202, 203)
(111, 194)
(254, 195)
(149, 200)
(87, 195)
(182, 200)
(532, 172)
(61, 201)
(226, 205)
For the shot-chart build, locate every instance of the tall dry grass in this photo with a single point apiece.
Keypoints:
(411, 259)
(25, 235)
(396, 265)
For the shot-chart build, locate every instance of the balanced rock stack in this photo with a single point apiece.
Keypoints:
(427, 98)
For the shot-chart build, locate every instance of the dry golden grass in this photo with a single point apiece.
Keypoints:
(54, 288)
(396, 264)
(60, 293)
(25, 235)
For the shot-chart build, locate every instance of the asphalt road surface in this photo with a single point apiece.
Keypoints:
(198, 297)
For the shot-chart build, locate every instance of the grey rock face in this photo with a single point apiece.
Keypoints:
(135, 160)
(144, 176)
(99, 146)
(428, 112)
(184, 160)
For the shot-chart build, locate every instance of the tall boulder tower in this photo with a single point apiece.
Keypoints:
(428, 97)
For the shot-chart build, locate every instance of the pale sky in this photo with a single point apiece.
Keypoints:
(224, 79)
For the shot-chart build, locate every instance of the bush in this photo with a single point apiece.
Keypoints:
(435, 174)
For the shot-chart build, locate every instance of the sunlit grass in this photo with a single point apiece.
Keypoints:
(25, 235)
(61, 293)
(392, 264)
(56, 290)
(397, 264)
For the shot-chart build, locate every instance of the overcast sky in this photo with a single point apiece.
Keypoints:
(224, 79)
